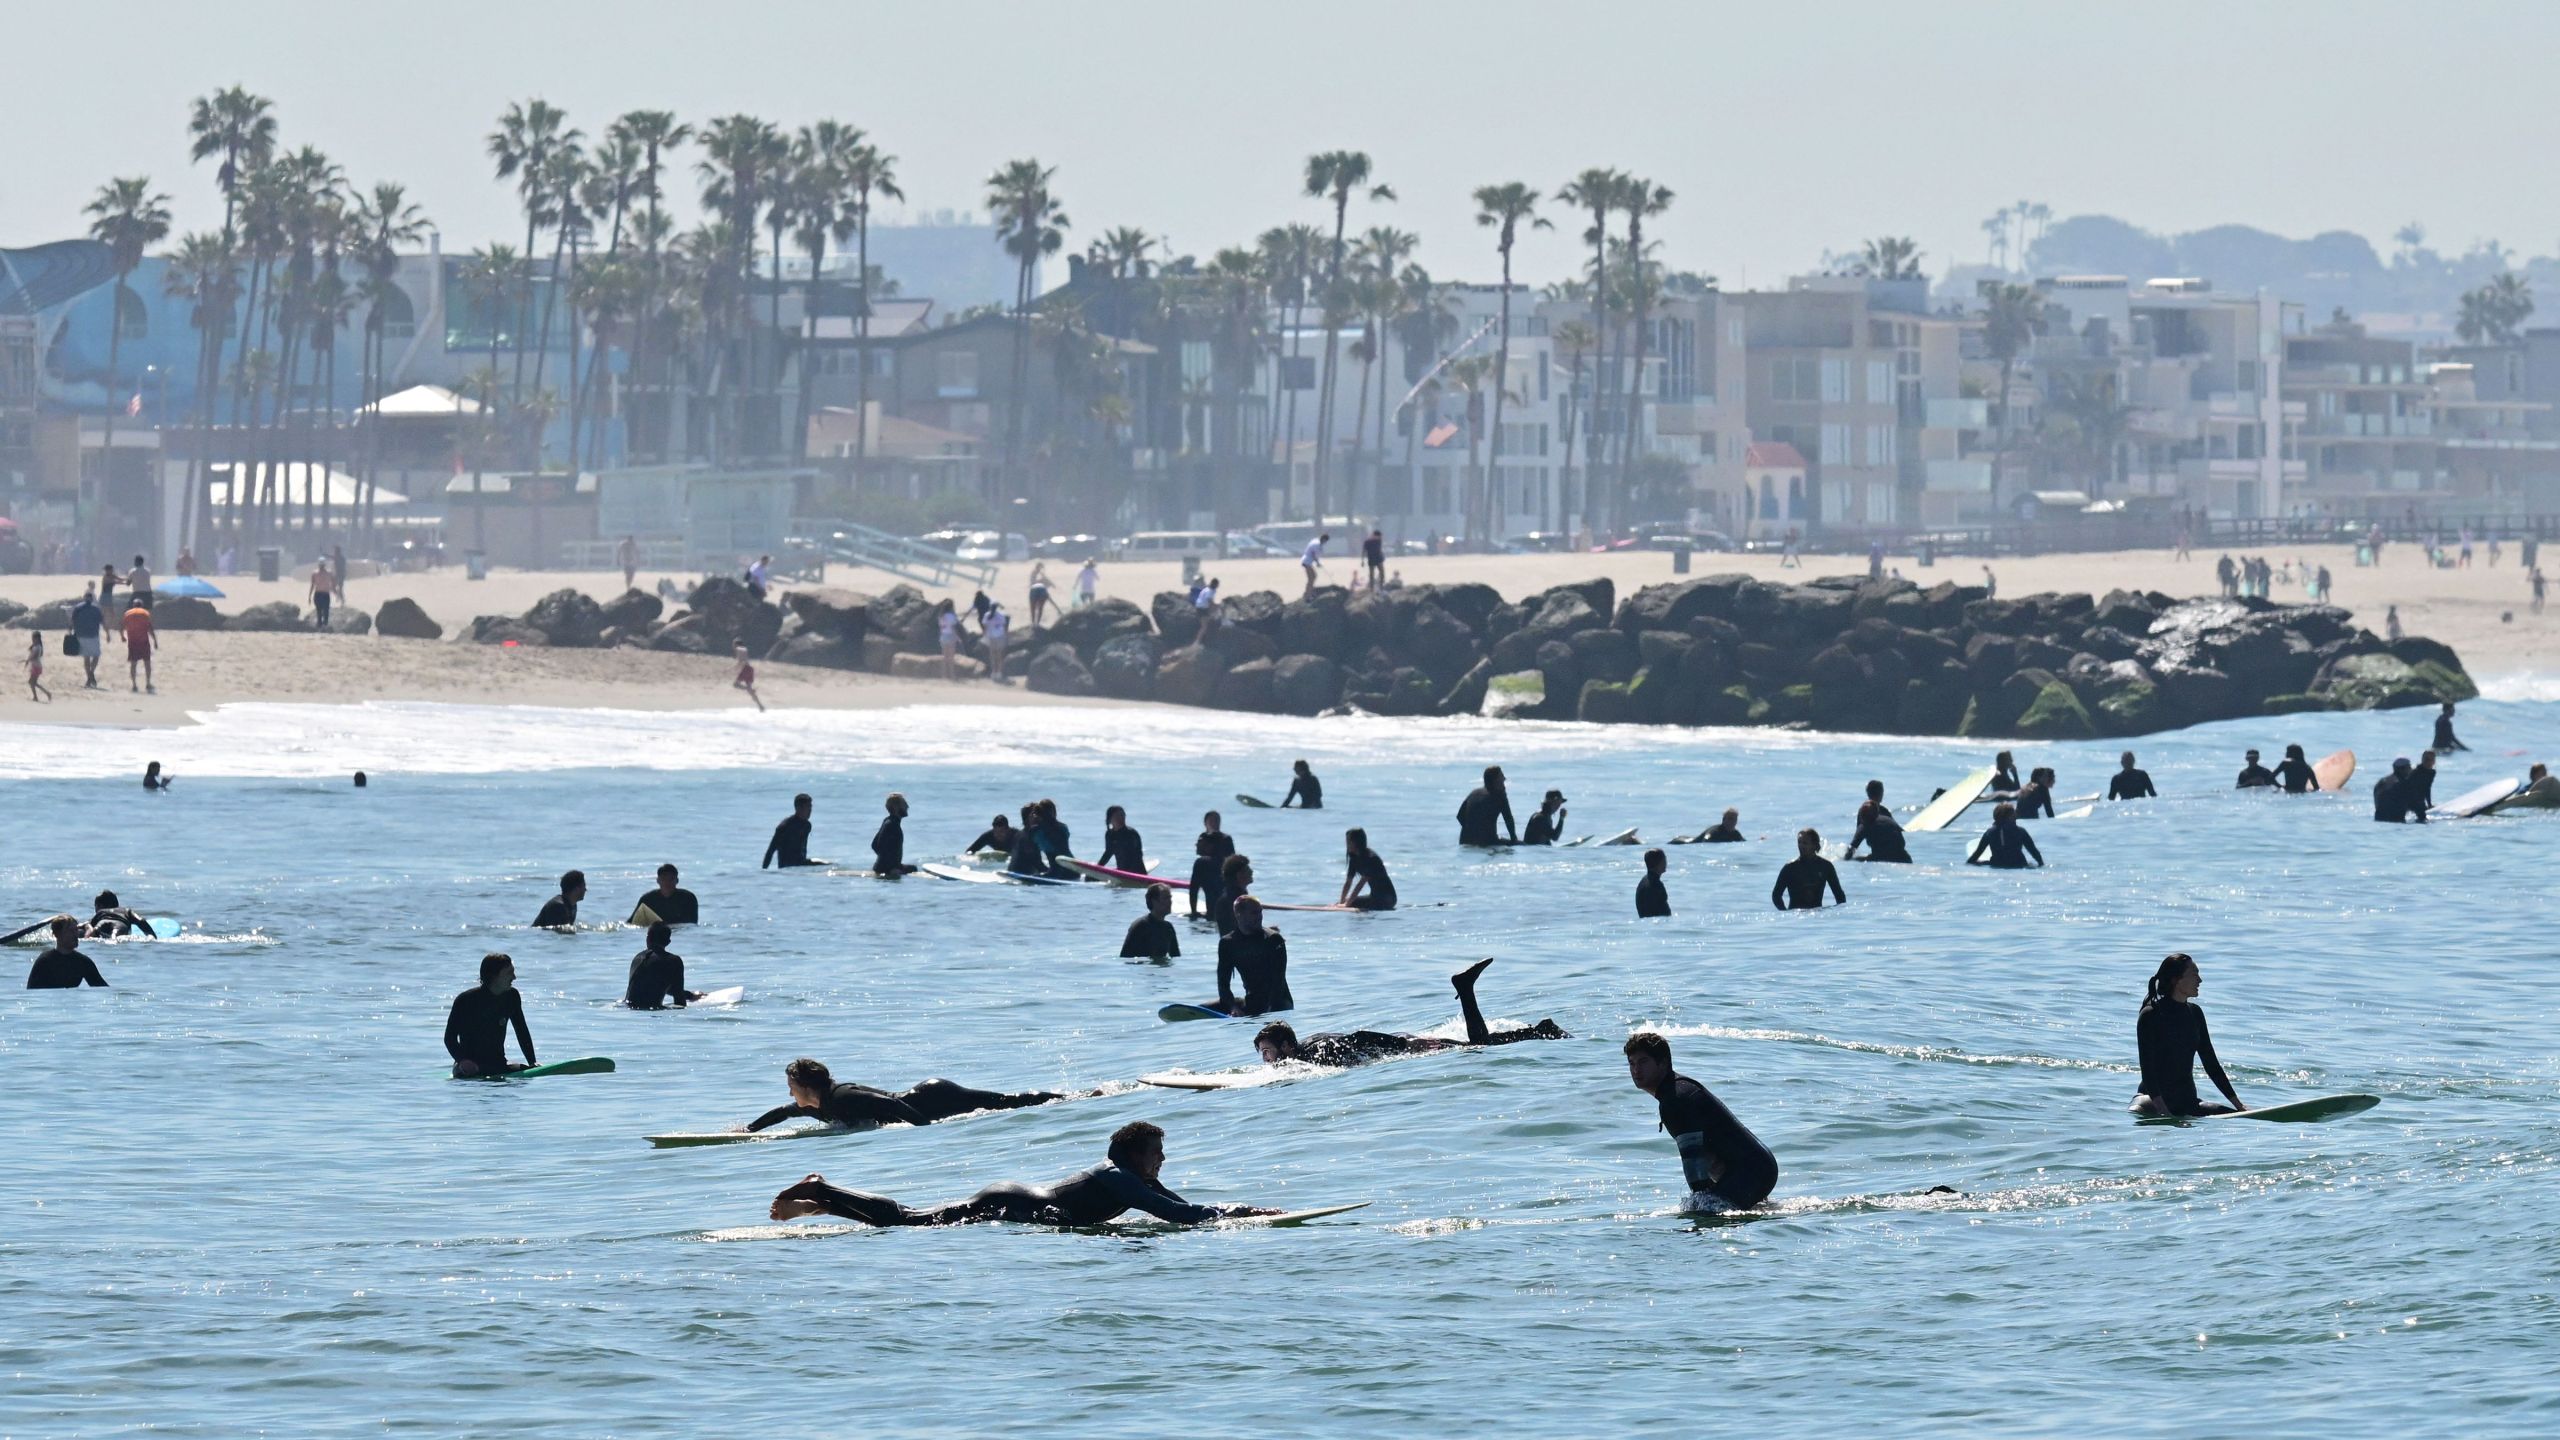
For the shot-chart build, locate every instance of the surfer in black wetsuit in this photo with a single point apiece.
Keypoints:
(657, 975)
(2254, 776)
(2006, 842)
(1727, 831)
(1365, 885)
(1208, 857)
(1258, 956)
(2036, 796)
(1277, 1043)
(560, 912)
(2391, 802)
(1719, 1156)
(1653, 901)
(1235, 877)
(1878, 831)
(2421, 787)
(1130, 1181)
(112, 919)
(2130, 783)
(1802, 880)
(1151, 936)
(815, 1095)
(2004, 774)
(889, 842)
(789, 846)
(2172, 1037)
(1121, 847)
(1484, 805)
(1547, 826)
(63, 967)
(2295, 773)
(154, 779)
(997, 836)
(475, 1029)
(670, 902)
(2445, 740)
(1304, 788)
(1053, 833)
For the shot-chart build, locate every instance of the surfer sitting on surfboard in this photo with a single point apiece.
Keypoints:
(1722, 1160)
(475, 1029)
(657, 974)
(1484, 805)
(1121, 847)
(63, 967)
(1258, 955)
(815, 1095)
(2006, 842)
(889, 842)
(1802, 880)
(1208, 855)
(2036, 796)
(2172, 1037)
(1277, 1043)
(670, 902)
(1129, 1181)
(1548, 824)
(1304, 788)
(789, 846)
(1365, 885)
(2130, 783)
(1151, 936)
(111, 919)
(1878, 831)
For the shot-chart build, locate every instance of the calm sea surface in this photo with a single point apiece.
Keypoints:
(238, 1194)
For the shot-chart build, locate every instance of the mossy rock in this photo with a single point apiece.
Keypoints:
(1758, 714)
(1605, 702)
(2056, 714)
(2135, 710)
(2448, 682)
(2377, 682)
(2293, 704)
(1734, 705)
(1789, 706)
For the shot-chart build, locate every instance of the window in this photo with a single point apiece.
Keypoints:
(2248, 379)
(1795, 380)
(1879, 504)
(133, 318)
(1835, 382)
(1835, 446)
(1879, 382)
(955, 373)
(398, 318)
(1195, 361)
(1880, 334)
(1881, 445)
(1835, 500)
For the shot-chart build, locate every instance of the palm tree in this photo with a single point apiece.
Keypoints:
(567, 172)
(822, 161)
(2099, 420)
(489, 276)
(2493, 312)
(1469, 375)
(739, 170)
(1121, 253)
(1029, 225)
(1598, 191)
(1238, 283)
(1504, 208)
(1642, 200)
(1996, 226)
(521, 147)
(239, 127)
(1333, 175)
(1890, 257)
(655, 132)
(1378, 260)
(1288, 261)
(870, 171)
(128, 218)
(2011, 314)
(204, 273)
(385, 223)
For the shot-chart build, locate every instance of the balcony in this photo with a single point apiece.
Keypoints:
(2380, 427)
(1959, 415)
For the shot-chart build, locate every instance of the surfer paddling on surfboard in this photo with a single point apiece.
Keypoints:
(815, 1095)
(1129, 1180)
(1726, 1165)
(997, 836)
(1151, 936)
(475, 1029)
(2172, 1037)
(1278, 1044)
(1365, 885)
(112, 919)
(1727, 831)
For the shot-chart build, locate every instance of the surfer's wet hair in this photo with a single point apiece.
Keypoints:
(1357, 836)
(1132, 1140)
(1647, 1043)
(660, 932)
(810, 1075)
(492, 963)
(1276, 1033)
(2171, 970)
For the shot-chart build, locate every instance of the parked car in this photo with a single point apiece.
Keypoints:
(1714, 540)
(990, 545)
(1169, 545)
(1245, 545)
(1067, 547)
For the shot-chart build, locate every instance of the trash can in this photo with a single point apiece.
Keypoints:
(270, 563)
(1927, 549)
(1679, 559)
(475, 565)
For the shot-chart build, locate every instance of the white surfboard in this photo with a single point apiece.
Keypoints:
(1940, 813)
(2082, 813)
(1218, 1079)
(2474, 802)
(954, 872)
(728, 996)
(2312, 1110)
(1144, 1222)
(688, 1140)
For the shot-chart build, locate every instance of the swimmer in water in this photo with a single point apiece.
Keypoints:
(2129, 783)
(1278, 1044)
(670, 902)
(1151, 936)
(1365, 885)
(1802, 880)
(815, 1095)
(2295, 773)
(1547, 826)
(2172, 1037)
(63, 967)
(1258, 956)
(152, 779)
(2254, 776)
(2004, 774)
(1304, 789)
(560, 912)
(789, 847)
(889, 842)
(2007, 843)
(475, 1029)
(657, 975)
(2036, 796)
(1131, 1179)
(1208, 860)
(2445, 740)
(1653, 901)
(1484, 805)
(1727, 831)
(1878, 831)
(1724, 1163)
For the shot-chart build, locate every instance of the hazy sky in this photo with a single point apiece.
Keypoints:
(1784, 128)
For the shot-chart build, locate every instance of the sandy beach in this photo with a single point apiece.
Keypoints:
(2483, 612)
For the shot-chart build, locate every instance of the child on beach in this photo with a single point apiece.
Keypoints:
(35, 670)
(746, 674)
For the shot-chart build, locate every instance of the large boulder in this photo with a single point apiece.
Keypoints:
(2374, 682)
(1560, 613)
(2056, 714)
(185, 612)
(279, 616)
(1086, 630)
(10, 610)
(1317, 625)
(683, 634)
(1405, 691)
(501, 630)
(1466, 697)
(50, 615)
(1605, 655)
(821, 649)
(728, 612)
(1676, 605)
(1246, 687)
(348, 620)
(909, 620)
(1305, 684)
(826, 610)
(1057, 671)
(1188, 675)
(1473, 605)
(633, 611)
(1257, 610)
(574, 621)
(1605, 702)
(929, 667)
(1177, 623)
(405, 619)
(1440, 644)
(1125, 667)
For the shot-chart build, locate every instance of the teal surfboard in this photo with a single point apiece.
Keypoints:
(587, 1065)
(1183, 1011)
(2300, 1112)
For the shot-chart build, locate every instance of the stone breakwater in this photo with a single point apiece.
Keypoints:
(1834, 654)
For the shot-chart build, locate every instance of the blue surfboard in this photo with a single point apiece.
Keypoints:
(1183, 1011)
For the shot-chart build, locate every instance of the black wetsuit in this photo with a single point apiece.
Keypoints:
(657, 978)
(558, 913)
(1359, 1047)
(1150, 938)
(789, 845)
(888, 848)
(1543, 829)
(2392, 801)
(1307, 790)
(2004, 782)
(993, 840)
(676, 907)
(2254, 776)
(2421, 788)
(1262, 962)
(933, 1100)
(1222, 911)
(1477, 813)
(2009, 844)
(1721, 834)
(2296, 776)
(476, 1028)
(1027, 858)
(119, 923)
(1096, 1197)
(2172, 1037)
(2035, 800)
(2131, 785)
(1123, 850)
(1801, 883)
(58, 969)
(1652, 900)
(1882, 835)
(1209, 857)
(2444, 736)
(1718, 1154)
(1381, 894)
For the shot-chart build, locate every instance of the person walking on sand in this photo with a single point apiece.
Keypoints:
(1373, 554)
(1990, 584)
(323, 586)
(2535, 578)
(627, 555)
(1088, 580)
(1787, 559)
(35, 670)
(746, 677)
(1312, 559)
(137, 649)
(998, 627)
(947, 620)
(88, 625)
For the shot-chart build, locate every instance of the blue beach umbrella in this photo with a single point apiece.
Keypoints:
(192, 586)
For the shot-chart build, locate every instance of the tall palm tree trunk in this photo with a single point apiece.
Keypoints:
(862, 344)
(1501, 391)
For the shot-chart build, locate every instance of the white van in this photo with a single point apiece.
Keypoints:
(1169, 545)
(989, 545)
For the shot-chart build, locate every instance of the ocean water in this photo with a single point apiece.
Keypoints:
(238, 1194)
